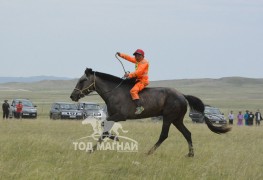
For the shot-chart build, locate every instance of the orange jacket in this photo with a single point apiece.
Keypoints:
(141, 69)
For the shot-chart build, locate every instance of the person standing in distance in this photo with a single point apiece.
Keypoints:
(141, 75)
(258, 117)
(231, 117)
(5, 108)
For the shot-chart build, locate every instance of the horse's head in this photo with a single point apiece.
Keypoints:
(85, 85)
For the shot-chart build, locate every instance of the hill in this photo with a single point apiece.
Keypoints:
(181, 84)
(194, 86)
(30, 79)
(226, 81)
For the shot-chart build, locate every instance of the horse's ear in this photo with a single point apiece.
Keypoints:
(88, 71)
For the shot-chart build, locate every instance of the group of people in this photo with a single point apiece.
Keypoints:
(6, 109)
(248, 118)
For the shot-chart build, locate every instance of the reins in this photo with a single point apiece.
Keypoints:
(94, 84)
(81, 91)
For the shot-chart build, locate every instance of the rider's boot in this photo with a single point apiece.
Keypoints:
(139, 108)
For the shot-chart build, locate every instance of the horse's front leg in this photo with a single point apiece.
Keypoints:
(163, 136)
(102, 137)
(94, 148)
(107, 126)
(116, 118)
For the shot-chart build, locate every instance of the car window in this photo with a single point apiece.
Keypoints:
(92, 106)
(212, 111)
(80, 105)
(25, 103)
(68, 106)
(55, 106)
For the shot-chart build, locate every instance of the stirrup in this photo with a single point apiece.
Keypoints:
(139, 110)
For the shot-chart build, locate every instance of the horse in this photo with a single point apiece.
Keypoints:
(157, 101)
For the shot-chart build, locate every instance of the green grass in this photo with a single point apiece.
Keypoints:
(43, 149)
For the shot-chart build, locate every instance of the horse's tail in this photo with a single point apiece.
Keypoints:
(197, 105)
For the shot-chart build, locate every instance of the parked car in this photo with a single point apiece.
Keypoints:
(212, 113)
(29, 109)
(90, 109)
(65, 110)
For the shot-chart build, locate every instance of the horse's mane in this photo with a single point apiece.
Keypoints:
(113, 78)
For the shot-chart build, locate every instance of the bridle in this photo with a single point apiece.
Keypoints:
(87, 88)
(81, 91)
(94, 87)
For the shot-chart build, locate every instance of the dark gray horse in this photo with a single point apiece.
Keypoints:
(158, 101)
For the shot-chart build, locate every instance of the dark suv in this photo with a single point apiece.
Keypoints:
(65, 110)
(90, 109)
(29, 109)
(212, 113)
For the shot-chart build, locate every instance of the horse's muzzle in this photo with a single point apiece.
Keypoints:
(75, 96)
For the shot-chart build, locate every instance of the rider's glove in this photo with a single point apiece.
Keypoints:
(126, 75)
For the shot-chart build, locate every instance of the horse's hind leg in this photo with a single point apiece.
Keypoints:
(163, 136)
(187, 134)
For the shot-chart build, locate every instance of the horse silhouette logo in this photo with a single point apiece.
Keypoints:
(103, 131)
(96, 126)
(101, 126)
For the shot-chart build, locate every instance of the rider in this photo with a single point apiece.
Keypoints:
(140, 73)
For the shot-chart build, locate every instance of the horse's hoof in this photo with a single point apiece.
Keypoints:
(149, 152)
(189, 155)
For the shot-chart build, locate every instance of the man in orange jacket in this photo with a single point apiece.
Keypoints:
(140, 73)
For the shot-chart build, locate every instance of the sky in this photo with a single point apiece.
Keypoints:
(182, 39)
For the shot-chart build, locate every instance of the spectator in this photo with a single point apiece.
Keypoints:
(258, 117)
(231, 117)
(246, 117)
(5, 108)
(19, 109)
(240, 119)
(250, 118)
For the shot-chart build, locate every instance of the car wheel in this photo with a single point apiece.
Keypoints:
(54, 117)
(202, 120)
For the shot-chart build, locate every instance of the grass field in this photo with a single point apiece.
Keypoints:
(44, 149)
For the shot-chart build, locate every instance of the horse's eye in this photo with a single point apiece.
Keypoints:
(82, 80)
